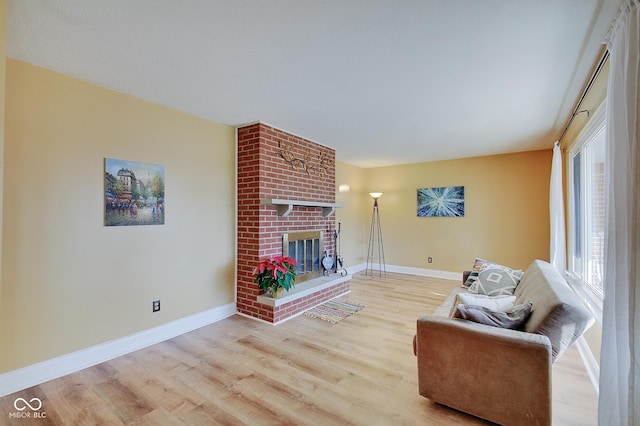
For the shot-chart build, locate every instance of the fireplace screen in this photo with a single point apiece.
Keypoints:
(305, 247)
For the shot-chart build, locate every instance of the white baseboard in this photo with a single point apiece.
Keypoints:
(32, 375)
(433, 273)
(356, 268)
(590, 363)
(22, 378)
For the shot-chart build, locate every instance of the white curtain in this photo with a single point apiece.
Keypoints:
(619, 402)
(556, 212)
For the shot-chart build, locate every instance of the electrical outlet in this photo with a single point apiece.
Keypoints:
(429, 260)
(156, 305)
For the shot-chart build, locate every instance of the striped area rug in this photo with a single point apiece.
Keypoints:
(334, 311)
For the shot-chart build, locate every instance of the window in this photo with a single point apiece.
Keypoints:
(587, 207)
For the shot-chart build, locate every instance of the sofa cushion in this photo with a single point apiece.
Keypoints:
(558, 313)
(495, 303)
(477, 265)
(444, 310)
(494, 280)
(513, 318)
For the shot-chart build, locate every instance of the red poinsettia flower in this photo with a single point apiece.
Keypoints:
(275, 272)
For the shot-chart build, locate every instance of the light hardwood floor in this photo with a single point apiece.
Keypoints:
(305, 371)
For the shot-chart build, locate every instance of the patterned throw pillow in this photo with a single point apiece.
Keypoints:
(495, 280)
(477, 265)
(495, 303)
(513, 318)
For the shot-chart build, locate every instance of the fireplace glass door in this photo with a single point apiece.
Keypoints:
(306, 248)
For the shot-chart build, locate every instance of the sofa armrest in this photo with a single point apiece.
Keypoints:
(465, 275)
(500, 375)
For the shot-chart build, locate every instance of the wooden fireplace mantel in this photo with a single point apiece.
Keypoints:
(286, 206)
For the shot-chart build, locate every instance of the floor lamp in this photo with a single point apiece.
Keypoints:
(376, 247)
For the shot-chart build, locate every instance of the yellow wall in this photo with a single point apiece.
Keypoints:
(3, 61)
(355, 224)
(69, 282)
(506, 211)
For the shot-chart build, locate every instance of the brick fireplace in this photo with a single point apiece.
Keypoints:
(286, 184)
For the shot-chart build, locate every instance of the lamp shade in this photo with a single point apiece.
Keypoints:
(376, 195)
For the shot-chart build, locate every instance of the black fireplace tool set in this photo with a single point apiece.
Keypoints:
(334, 264)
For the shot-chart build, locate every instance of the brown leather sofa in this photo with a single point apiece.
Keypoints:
(497, 374)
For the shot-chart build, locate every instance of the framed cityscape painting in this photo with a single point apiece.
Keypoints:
(133, 193)
(447, 201)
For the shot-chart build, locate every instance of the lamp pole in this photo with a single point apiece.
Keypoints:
(376, 246)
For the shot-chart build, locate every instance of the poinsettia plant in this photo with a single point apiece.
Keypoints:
(275, 272)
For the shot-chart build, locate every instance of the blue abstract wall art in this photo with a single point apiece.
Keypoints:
(447, 201)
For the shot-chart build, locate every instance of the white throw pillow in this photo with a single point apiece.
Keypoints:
(495, 303)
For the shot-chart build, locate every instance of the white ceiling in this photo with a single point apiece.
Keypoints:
(381, 81)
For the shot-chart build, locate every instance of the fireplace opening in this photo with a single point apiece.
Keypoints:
(306, 248)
